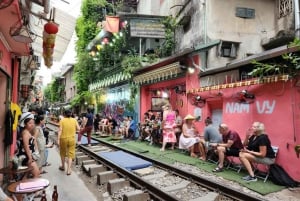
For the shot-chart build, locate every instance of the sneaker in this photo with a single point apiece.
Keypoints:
(248, 178)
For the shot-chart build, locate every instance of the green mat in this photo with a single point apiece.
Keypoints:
(172, 156)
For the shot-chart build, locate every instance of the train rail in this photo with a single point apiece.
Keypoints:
(153, 189)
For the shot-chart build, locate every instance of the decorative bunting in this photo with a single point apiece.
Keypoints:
(263, 80)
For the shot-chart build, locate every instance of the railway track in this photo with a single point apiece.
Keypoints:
(159, 182)
(156, 182)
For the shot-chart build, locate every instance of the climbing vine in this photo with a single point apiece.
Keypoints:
(169, 44)
(289, 65)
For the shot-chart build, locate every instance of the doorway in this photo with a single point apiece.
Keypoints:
(216, 115)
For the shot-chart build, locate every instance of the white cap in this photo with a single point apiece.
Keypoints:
(24, 116)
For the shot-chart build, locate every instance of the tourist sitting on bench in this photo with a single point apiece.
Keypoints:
(189, 137)
(257, 149)
(211, 135)
(230, 146)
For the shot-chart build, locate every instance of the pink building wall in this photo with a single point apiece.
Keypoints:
(277, 105)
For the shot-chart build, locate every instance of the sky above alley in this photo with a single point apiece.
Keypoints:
(72, 7)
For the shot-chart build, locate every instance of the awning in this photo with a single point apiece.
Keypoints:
(204, 47)
(111, 80)
(264, 80)
(163, 73)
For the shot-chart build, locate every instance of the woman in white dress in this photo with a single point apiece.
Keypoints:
(189, 137)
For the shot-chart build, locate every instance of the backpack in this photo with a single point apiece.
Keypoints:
(280, 177)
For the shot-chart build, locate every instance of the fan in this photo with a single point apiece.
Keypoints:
(244, 97)
(197, 100)
(5, 3)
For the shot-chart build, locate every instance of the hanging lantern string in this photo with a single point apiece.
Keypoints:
(52, 14)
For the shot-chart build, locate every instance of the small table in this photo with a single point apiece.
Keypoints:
(15, 173)
(27, 188)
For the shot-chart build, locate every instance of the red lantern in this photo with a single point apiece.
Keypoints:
(51, 27)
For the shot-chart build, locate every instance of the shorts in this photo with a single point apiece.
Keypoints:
(232, 152)
(265, 160)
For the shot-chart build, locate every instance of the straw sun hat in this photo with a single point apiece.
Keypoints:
(189, 117)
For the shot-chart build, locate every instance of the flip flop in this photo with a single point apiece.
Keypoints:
(69, 173)
(202, 158)
(43, 172)
(194, 155)
(61, 168)
(47, 164)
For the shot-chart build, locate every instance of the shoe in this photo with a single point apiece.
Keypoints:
(61, 168)
(218, 169)
(248, 178)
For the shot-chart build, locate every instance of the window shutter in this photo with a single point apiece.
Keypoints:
(233, 50)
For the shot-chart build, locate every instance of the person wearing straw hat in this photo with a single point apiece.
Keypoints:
(169, 125)
(189, 137)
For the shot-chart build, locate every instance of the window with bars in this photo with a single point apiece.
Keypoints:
(285, 7)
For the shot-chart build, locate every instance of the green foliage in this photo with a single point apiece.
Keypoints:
(54, 91)
(290, 64)
(84, 72)
(150, 58)
(47, 92)
(169, 44)
(80, 98)
(86, 30)
(295, 43)
(110, 55)
(130, 63)
(132, 99)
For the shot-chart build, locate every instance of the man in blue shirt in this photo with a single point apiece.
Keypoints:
(132, 127)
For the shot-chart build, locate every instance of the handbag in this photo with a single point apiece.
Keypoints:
(35, 155)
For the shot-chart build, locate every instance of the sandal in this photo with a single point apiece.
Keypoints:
(61, 168)
(46, 164)
(193, 155)
(202, 158)
(43, 172)
(218, 169)
(69, 173)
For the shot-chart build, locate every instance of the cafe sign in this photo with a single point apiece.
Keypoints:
(147, 28)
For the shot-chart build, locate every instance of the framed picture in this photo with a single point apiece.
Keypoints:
(158, 102)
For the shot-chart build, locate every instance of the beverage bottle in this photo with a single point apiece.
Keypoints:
(44, 198)
(55, 194)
